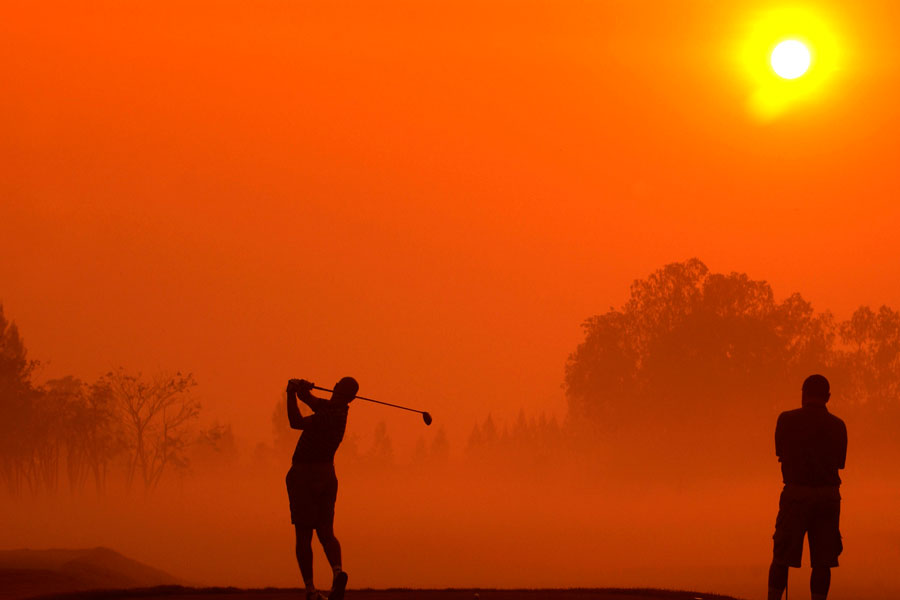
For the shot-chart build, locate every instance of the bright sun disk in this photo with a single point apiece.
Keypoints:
(790, 59)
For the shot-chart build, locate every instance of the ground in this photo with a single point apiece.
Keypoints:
(181, 593)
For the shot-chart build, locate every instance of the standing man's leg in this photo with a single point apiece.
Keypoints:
(819, 582)
(825, 545)
(778, 578)
(787, 547)
(305, 557)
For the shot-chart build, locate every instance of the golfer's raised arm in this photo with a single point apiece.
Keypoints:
(294, 416)
(304, 394)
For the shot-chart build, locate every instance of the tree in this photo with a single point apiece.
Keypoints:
(381, 454)
(87, 429)
(691, 341)
(156, 413)
(100, 436)
(16, 409)
(215, 448)
(420, 452)
(694, 362)
(867, 386)
(870, 358)
(440, 448)
(15, 368)
(435, 455)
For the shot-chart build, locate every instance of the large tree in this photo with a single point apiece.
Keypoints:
(691, 356)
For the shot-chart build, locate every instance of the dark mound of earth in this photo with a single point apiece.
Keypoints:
(25, 573)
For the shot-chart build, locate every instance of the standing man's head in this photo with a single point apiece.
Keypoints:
(816, 390)
(345, 390)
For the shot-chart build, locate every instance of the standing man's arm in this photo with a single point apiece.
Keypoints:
(842, 456)
(779, 437)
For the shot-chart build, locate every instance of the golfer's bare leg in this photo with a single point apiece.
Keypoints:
(330, 544)
(333, 552)
(305, 555)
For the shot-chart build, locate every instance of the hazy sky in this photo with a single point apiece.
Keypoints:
(431, 196)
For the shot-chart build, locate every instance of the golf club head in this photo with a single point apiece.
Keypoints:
(427, 418)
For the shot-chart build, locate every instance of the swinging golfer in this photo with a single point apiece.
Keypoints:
(811, 444)
(311, 481)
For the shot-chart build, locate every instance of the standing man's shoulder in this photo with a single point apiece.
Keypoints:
(837, 422)
(835, 418)
(789, 415)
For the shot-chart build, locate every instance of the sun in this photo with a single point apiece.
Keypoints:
(790, 59)
(790, 55)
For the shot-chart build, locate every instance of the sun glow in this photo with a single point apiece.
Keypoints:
(790, 59)
(788, 55)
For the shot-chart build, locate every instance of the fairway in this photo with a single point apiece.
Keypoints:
(182, 593)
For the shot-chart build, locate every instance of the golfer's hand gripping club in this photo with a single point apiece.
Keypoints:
(299, 385)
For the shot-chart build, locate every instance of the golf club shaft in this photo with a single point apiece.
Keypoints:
(421, 412)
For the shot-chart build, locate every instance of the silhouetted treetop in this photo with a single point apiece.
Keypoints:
(870, 359)
(692, 342)
(19, 461)
(15, 368)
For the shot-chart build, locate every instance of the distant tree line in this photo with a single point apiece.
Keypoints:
(80, 431)
(687, 377)
(536, 442)
(688, 374)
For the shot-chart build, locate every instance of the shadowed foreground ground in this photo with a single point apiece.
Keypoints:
(183, 593)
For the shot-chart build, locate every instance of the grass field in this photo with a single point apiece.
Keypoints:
(184, 593)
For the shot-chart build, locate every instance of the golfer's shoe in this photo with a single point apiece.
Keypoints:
(315, 596)
(337, 589)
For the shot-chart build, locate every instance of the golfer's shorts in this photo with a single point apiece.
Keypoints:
(312, 491)
(808, 511)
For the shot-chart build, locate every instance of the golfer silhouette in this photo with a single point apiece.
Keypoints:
(811, 444)
(311, 480)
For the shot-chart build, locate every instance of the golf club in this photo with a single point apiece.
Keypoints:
(425, 416)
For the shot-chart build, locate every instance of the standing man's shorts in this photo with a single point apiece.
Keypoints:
(814, 512)
(312, 491)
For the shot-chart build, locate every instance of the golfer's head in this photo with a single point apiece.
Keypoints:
(816, 390)
(345, 390)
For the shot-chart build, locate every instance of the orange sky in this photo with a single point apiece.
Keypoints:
(428, 195)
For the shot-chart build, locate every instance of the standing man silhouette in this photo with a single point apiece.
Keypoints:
(811, 444)
(311, 481)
